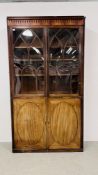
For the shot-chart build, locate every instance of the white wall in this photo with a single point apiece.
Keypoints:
(88, 9)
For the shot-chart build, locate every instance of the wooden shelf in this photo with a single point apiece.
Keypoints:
(42, 75)
(26, 47)
(52, 59)
(29, 75)
(29, 60)
(64, 95)
(62, 75)
(63, 59)
(30, 94)
(51, 94)
(56, 47)
(36, 46)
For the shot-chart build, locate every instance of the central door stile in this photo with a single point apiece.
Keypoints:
(46, 60)
(46, 80)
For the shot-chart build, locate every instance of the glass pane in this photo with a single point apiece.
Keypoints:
(28, 61)
(63, 60)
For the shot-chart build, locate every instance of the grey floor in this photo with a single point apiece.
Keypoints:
(4, 1)
(83, 163)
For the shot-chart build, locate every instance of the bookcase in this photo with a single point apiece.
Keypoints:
(46, 61)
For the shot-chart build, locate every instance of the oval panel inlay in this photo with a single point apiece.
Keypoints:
(64, 123)
(30, 123)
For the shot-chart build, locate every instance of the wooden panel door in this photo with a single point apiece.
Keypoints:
(29, 124)
(64, 123)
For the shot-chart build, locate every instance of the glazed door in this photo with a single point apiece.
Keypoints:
(29, 62)
(64, 48)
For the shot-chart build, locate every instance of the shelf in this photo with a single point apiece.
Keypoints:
(62, 75)
(27, 47)
(64, 59)
(52, 59)
(30, 94)
(62, 94)
(56, 47)
(51, 94)
(29, 75)
(42, 75)
(36, 46)
(29, 60)
(24, 46)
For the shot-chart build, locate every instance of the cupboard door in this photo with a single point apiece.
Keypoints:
(64, 123)
(64, 60)
(28, 61)
(29, 124)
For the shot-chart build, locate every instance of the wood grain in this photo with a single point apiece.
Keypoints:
(29, 123)
(64, 122)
